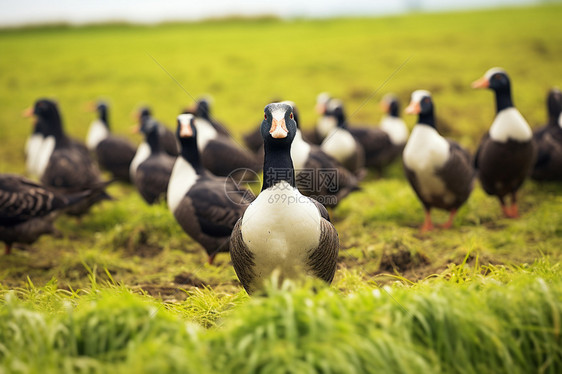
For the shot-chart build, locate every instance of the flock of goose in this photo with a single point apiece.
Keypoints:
(200, 171)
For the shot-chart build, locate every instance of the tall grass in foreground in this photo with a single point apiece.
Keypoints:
(505, 322)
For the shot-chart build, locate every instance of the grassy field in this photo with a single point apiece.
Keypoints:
(125, 289)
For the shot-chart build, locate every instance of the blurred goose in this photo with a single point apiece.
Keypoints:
(325, 123)
(439, 170)
(549, 141)
(152, 174)
(506, 153)
(33, 146)
(282, 231)
(27, 210)
(317, 174)
(167, 139)
(340, 144)
(393, 125)
(206, 206)
(113, 153)
(64, 164)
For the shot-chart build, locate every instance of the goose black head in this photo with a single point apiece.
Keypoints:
(148, 126)
(295, 111)
(46, 109)
(421, 104)
(186, 127)
(144, 112)
(495, 79)
(336, 110)
(203, 108)
(49, 119)
(102, 109)
(390, 105)
(278, 126)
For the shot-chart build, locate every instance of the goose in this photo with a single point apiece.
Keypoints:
(64, 164)
(317, 174)
(33, 146)
(438, 169)
(340, 144)
(206, 206)
(282, 231)
(152, 174)
(549, 141)
(507, 151)
(27, 209)
(325, 124)
(393, 125)
(113, 153)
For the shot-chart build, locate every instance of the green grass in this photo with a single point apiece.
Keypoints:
(126, 290)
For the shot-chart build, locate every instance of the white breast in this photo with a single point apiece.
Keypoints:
(143, 151)
(339, 144)
(299, 151)
(280, 228)
(183, 177)
(33, 150)
(44, 156)
(510, 124)
(97, 132)
(205, 132)
(325, 125)
(395, 128)
(425, 152)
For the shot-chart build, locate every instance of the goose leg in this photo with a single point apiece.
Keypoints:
(449, 223)
(427, 225)
(505, 209)
(514, 210)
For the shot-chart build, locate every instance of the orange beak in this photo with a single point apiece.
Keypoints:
(90, 106)
(27, 112)
(320, 108)
(413, 108)
(185, 130)
(278, 129)
(481, 83)
(135, 129)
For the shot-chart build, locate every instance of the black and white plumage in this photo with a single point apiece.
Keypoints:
(507, 152)
(27, 209)
(282, 231)
(63, 163)
(167, 139)
(439, 170)
(113, 153)
(152, 173)
(206, 206)
(33, 146)
(548, 138)
(340, 144)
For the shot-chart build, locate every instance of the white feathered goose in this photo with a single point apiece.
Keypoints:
(65, 164)
(507, 152)
(206, 206)
(27, 210)
(113, 153)
(282, 230)
(549, 141)
(439, 170)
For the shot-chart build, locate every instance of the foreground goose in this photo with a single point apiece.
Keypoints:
(340, 144)
(282, 231)
(507, 151)
(439, 170)
(113, 153)
(27, 210)
(206, 207)
(63, 163)
(549, 141)
(152, 174)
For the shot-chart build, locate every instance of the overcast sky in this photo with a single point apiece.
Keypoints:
(21, 12)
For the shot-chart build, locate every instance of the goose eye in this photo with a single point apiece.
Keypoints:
(265, 116)
(291, 116)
